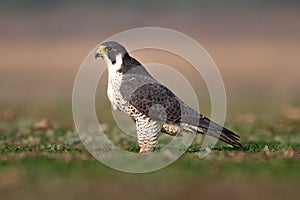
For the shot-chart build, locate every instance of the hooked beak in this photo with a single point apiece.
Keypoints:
(99, 53)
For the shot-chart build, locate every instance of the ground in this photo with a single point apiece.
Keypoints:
(40, 160)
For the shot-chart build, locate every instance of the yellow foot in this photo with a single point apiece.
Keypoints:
(143, 150)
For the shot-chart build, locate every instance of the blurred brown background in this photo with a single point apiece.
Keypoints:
(255, 44)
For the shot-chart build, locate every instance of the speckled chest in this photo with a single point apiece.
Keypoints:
(118, 102)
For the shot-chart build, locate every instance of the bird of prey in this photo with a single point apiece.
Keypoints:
(152, 106)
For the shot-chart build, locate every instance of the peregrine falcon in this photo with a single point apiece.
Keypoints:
(152, 106)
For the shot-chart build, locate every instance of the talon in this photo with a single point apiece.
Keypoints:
(144, 150)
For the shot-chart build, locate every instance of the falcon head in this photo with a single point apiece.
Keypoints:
(110, 52)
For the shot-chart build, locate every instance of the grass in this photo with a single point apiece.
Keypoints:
(281, 141)
(53, 161)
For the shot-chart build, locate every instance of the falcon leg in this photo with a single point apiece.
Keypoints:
(147, 133)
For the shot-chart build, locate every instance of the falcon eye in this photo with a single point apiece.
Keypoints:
(108, 48)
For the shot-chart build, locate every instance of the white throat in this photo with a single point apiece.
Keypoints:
(113, 68)
(114, 79)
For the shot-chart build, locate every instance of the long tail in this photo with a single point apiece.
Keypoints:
(206, 126)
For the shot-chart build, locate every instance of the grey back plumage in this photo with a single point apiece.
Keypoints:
(150, 97)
